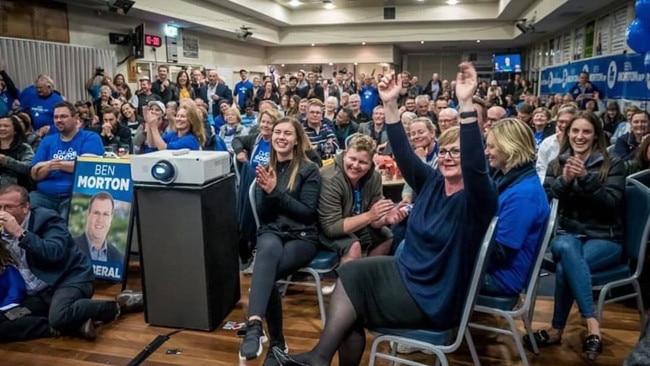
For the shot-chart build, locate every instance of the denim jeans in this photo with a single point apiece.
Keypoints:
(576, 258)
(60, 204)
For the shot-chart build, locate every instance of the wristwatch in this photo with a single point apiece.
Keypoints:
(471, 114)
(22, 235)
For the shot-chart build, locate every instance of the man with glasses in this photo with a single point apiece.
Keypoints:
(494, 114)
(550, 146)
(53, 163)
(58, 277)
(321, 137)
(447, 117)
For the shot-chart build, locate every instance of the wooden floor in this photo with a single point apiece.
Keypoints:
(119, 342)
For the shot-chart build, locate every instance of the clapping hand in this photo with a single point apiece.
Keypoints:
(266, 180)
(150, 118)
(466, 84)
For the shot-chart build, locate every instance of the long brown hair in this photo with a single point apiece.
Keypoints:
(599, 144)
(195, 117)
(299, 150)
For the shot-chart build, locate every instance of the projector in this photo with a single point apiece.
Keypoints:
(180, 166)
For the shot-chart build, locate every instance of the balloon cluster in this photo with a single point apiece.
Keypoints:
(638, 32)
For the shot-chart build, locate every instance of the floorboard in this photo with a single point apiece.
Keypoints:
(117, 343)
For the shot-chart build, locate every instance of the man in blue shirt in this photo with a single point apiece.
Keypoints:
(243, 90)
(584, 91)
(369, 96)
(39, 101)
(53, 163)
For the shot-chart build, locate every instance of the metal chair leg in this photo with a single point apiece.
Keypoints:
(472, 348)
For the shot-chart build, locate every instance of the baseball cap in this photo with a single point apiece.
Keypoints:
(83, 102)
(143, 77)
(493, 83)
(158, 104)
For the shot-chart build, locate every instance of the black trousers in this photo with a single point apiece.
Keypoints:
(64, 309)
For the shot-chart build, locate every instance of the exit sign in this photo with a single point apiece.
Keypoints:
(153, 41)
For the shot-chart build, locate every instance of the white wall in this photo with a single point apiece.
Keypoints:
(336, 54)
(87, 28)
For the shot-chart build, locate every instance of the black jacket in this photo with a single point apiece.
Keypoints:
(291, 214)
(168, 94)
(224, 93)
(247, 144)
(319, 93)
(587, 205)
(121, 136)
(112, 253)
(51, 252)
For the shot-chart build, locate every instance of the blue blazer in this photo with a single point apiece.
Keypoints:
(223, 91)
(52, 254)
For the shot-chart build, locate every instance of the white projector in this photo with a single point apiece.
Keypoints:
(180, 166)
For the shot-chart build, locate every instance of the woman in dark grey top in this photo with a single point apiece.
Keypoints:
(286, 196)
(15, 154)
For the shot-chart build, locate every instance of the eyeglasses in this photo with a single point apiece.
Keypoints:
(453, 152)
(11, 207)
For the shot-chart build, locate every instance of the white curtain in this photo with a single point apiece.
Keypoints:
(69, 66)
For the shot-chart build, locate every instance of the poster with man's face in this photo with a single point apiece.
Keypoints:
(100, 214)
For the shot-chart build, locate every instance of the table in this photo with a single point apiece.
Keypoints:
(393, 188)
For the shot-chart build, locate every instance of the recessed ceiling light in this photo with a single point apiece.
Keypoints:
(294, 3)
(363, 43)
(282, 65)
(356, 63)
(329, 6)
(452, 2)
(422, 42)
(478, 41)
(331, 64)
(313, 44)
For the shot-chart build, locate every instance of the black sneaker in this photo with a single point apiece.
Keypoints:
(270, 359)
(251, 345)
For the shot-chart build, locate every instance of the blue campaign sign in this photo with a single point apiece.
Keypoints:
(100, 213)
(617, 77)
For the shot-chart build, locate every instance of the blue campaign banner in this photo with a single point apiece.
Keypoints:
(617, 77)
(100, 213)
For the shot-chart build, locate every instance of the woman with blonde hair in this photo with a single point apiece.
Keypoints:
(523, 206)
(188, 128)
(233, 127)
(286, 197)
(541, 125)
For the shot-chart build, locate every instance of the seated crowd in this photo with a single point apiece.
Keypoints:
(466, 150)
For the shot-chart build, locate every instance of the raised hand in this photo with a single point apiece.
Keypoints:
(466, 83)
(389, 87)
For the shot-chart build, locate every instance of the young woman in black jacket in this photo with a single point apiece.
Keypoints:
(589, 186)
(286, 196)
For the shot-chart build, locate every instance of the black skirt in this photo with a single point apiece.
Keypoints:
(379, 296)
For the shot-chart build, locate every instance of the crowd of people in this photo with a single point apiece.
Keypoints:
(467, 150)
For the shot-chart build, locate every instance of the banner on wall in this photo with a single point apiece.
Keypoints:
(100, 213)
(617, 77)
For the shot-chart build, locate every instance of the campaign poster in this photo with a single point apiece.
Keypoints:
(100, 213)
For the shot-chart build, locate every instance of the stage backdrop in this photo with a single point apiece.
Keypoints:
(107, 221)
(620, 77)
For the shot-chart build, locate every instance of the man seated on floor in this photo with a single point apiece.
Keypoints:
(351, 209)
(58, 277)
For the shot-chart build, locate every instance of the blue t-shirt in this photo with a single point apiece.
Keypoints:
(369, 99)
(51, 147)
(6, 101)
(242, 88)
(523, 212)
(174, 142)
(261, 153)
(12, 287)
(538, 138)
(41, 109)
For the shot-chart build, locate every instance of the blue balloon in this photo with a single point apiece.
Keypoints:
(638, 38)
(642, 8)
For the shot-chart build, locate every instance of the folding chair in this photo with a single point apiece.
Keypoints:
(637, 201)
(511, 307)
(438, 342)
(324, 262)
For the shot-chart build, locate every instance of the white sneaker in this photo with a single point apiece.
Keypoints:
(327, 290)
(407, 350)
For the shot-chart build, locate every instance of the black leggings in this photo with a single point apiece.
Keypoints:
(275, 259)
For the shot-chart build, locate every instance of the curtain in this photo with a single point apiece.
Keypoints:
(69, 66)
